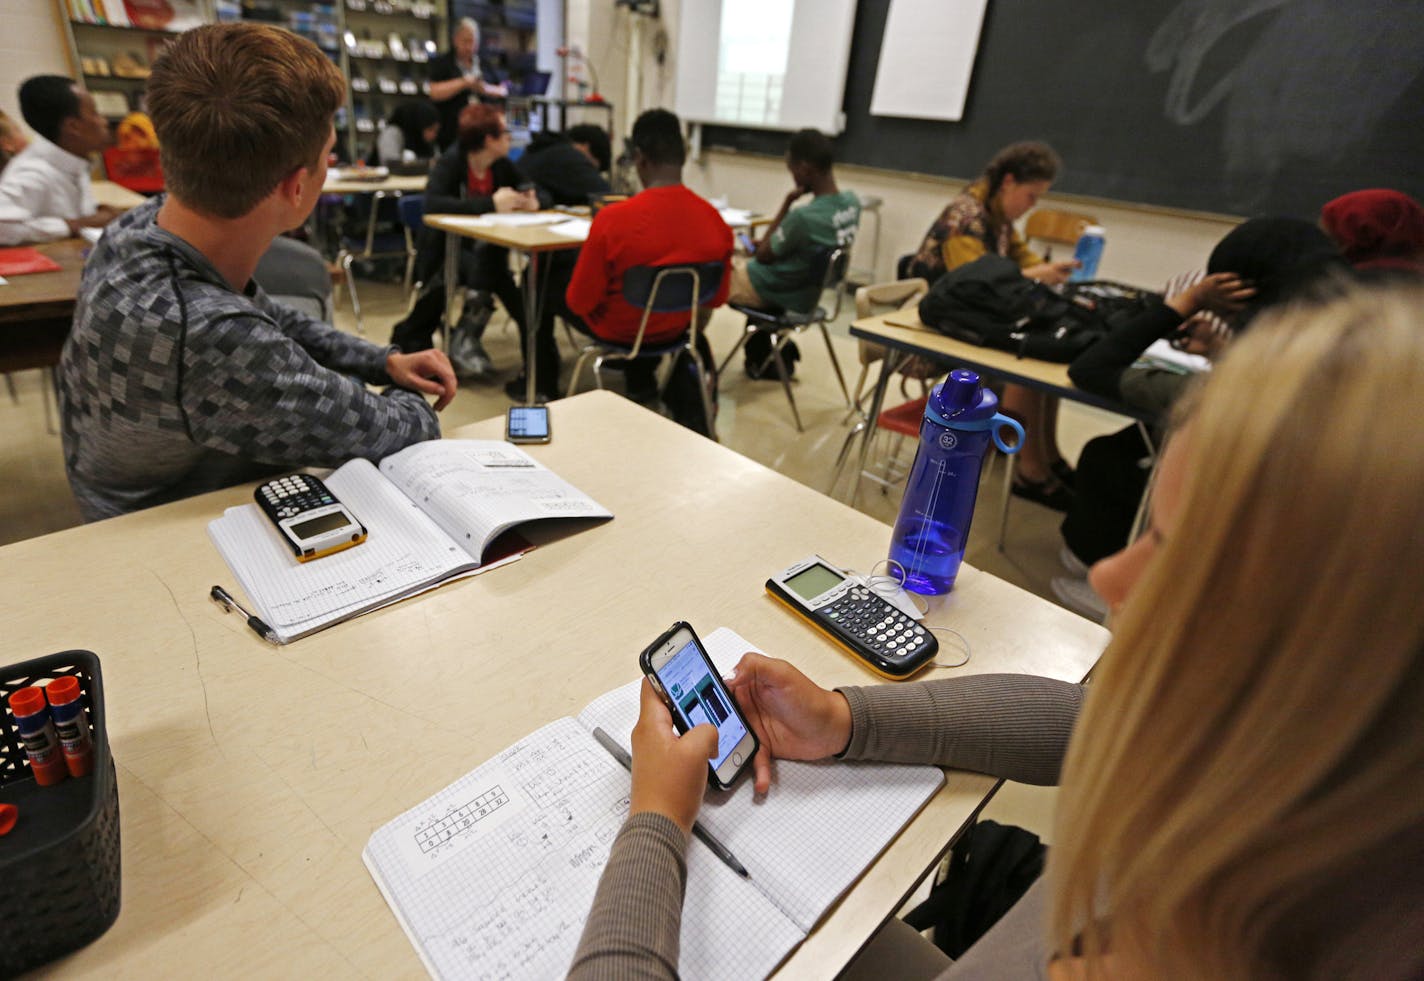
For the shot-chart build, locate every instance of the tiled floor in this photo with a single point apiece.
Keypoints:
(754, 420)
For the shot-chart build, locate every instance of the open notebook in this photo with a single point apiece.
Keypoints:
(433, 512)
(495, 874)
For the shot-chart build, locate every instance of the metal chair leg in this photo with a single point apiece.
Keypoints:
(1005, 494)
(746, 332)
(583, 357)
(785, 381)
(346, 261)
(10, 384)
(836, 364)
(859, 396)
(857, 430)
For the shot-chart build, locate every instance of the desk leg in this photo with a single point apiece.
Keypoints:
(452, 273)
(531, 324)
(1139, 520)
(888, 366)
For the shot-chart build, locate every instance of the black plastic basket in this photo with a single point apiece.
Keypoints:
(59, 867)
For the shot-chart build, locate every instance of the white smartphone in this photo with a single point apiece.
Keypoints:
(527, 424)
(690, 686)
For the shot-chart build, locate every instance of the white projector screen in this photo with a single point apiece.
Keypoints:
(927, 39)
(764, 64)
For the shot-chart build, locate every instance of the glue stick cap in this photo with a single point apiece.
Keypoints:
(27, 701)
(62, 691)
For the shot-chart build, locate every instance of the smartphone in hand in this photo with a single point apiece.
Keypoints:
(688, 683)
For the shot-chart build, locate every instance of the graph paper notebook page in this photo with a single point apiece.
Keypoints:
(494, 875)
(432, 511)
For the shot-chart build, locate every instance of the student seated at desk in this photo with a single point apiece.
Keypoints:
(664, 224)
(1259, 264)
(474, 177)
(408, 134)
(180, 375)
(1230, 807)
(45, 191)
(780, 274)
(980, 221)
(569, 166)
(1380, 232)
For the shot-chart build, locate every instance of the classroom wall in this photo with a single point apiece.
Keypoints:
(1145, 246)
(32, 43)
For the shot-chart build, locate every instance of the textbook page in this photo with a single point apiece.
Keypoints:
(820, 825)
(494, 875)
(403, 553)
(474, 489)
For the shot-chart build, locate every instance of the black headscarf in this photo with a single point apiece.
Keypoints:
(1281, 257)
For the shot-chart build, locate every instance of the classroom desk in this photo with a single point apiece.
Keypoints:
(36, 308)
(116, 196)
(411, 184)
(531, 240)
(250, 776)
(903, 334)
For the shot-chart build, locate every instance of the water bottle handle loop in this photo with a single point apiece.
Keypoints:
(999, 422)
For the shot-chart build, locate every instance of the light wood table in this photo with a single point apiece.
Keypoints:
(250, 777)
(534, 241)
(36, 309)
(411, 184)
(116, 196)
(903, 335)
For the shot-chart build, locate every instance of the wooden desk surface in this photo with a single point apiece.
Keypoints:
(116, 196)
(522, 238)
(48, 293)
(904, 331)
(250, 777)
(408, 184)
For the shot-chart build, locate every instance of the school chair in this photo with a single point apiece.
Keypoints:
(411, 210)
(1056, 227)
(866, 259)
(660, 289)
(385, 245)
(830, 266)
(295, 274)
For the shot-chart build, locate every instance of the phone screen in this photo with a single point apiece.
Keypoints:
(699, 697)
(530, 422)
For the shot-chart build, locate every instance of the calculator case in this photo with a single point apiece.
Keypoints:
(856, 638)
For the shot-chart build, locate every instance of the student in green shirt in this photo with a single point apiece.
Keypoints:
(782, 273)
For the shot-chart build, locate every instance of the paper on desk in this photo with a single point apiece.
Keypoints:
(1162, 353)
(91, 235)
(576, 228)
(736, 217)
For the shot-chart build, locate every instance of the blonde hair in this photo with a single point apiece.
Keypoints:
(1245, 794)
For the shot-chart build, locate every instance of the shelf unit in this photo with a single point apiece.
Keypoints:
(387, 47)
(112, 51)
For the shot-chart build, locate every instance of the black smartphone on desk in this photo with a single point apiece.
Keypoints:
(527, 424)
(689, 685)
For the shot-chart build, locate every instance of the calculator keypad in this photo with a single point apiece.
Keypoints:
(289, 496)
(876, 624)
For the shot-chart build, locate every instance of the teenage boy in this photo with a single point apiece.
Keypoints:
(782, 273)
(664, 224)
(180, 375)
(45, 193)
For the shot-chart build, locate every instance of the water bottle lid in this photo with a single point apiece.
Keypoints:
(1097, 230)
(961, 399)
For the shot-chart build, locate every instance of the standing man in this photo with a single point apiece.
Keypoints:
(45, 192)
(782, 273)
(180, 375)
(456, 74)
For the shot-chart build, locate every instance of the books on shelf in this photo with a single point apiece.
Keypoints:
(434, 512)
(500, 867)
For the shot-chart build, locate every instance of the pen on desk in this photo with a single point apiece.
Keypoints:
(224, 599)
(706, 837)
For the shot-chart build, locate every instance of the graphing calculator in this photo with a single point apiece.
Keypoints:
(308, 516)
(889, 642)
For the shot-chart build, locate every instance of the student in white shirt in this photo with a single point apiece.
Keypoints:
(45, 193)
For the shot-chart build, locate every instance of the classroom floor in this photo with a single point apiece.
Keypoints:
(754, 420)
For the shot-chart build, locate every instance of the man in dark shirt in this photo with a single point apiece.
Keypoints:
(180, 374)
(456, 74)
(570, 166)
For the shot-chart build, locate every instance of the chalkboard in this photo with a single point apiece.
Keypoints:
(1235, 106)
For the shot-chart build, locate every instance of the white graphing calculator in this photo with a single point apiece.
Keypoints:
(309, 518)
(889, 642)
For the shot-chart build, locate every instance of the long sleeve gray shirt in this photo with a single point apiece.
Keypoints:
(172, 383)
(1011, 726)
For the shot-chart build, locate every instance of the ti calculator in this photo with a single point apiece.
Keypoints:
(308, 516)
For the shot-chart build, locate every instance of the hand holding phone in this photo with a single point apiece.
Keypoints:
(669, 770)
(682, 674)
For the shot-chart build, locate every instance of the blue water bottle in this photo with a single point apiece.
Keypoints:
(933, 526)
(1088, 252)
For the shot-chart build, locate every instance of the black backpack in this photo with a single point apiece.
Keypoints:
(990, 303)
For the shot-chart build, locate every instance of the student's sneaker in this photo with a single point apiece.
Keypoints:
(1079, 597)
(467, 353)
(1076, 567)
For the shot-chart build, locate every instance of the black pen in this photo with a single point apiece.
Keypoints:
(718, 849)
(224, 599)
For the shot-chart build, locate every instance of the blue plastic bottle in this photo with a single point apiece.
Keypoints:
(933, 526)
(1088, 252)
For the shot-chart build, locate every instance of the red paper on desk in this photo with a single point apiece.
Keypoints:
(17, 262)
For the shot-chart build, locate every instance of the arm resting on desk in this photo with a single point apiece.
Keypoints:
(1099, 369)
(632, 930)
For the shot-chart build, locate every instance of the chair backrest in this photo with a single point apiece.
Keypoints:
(294, 273)
(411, 209)
(880, 298)
(671, 289)
(831, 264)
(1057, 227)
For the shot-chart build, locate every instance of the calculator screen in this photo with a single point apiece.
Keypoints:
(814, 581)
(321, 525)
